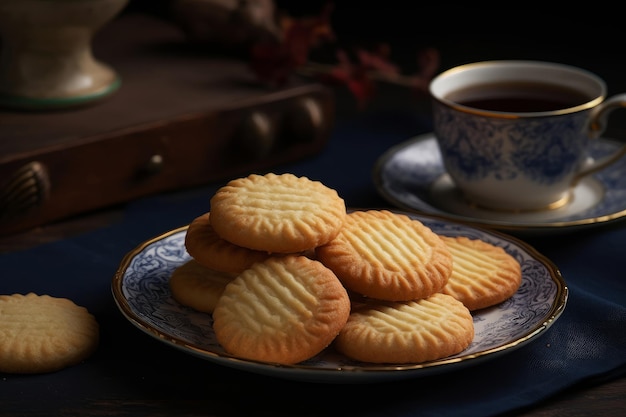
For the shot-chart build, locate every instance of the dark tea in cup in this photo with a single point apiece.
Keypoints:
(519, 97)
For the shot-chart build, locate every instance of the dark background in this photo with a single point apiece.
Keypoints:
(584, 36)
(588, 37)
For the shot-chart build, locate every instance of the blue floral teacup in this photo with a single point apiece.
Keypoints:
(513, 135)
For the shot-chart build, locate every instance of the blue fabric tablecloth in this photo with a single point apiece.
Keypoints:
(587, 343)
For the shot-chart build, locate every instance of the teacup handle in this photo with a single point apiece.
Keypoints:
(597, 125)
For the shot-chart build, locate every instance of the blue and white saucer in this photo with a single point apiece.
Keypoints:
(411, 176)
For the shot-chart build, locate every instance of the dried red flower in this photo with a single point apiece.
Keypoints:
(275, 61)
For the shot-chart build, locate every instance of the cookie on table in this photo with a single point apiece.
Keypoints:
(210, 250)
(277, 213)
(284, 310)
(483, 274)
(407, 331)
(194, 285)
(387, 256)
(41, 333)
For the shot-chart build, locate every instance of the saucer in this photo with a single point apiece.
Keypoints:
(411, 176)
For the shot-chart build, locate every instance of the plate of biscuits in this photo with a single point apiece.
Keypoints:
(279, 278)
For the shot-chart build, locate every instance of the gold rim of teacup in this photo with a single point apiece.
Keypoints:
(511, 115)
(599, 98)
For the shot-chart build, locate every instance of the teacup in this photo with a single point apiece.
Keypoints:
(514, 134)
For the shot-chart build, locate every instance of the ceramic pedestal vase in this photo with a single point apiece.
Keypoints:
(46, 59)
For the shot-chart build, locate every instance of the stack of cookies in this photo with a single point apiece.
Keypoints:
(286, 271)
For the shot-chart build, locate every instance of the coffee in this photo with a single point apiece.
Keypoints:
(518, 97)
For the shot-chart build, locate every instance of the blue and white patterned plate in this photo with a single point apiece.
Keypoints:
(140, 289)
(411, 176)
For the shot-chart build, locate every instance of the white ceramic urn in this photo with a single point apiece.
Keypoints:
(46, 58)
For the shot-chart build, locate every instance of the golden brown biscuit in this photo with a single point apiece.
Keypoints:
(194, 285)
(406, 332)
(482, 274)
(387, 256)
(40, 333)
(277, 213)
(210, 250)
(283, 310)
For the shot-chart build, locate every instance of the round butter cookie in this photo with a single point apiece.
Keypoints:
(283, 310)
(387, 256)
(194, 285)
(40, 333)
(210, 250)
(483, 274)
(406, 332)
(277, 213)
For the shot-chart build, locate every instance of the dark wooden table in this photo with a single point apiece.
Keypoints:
(607, 399)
